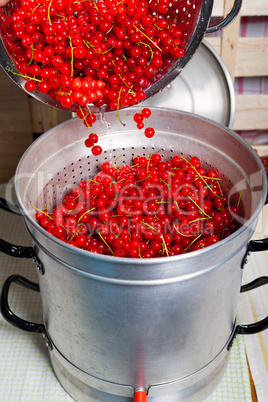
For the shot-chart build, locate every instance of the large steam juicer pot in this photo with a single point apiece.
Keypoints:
(114, 325)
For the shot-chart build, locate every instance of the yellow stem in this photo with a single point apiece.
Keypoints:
(177, 230)
(200, 176)
(198, 206)
(115, 161)
(105, 242)
(118, 104)
(195, 239)
(239, 199)
(164, 245)
(48, 12)
(72, 57)
(151, 227)
(80, 217)
(147, 37)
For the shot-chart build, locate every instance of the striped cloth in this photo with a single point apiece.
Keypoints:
(253, 306)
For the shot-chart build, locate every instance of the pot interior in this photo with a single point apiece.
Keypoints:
(59, 160)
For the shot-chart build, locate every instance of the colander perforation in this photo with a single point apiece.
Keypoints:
(59, 168)
(71, 175)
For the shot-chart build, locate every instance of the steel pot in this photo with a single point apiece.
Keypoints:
(198, 24)
(114, 325)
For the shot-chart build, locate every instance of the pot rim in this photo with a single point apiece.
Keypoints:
(156, 260)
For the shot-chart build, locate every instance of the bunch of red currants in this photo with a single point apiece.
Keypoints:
(152, 208)
(104, 52)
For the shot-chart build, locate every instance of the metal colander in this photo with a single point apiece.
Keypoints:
(59, 160)
(196, 25)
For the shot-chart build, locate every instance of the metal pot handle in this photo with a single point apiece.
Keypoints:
(6, 206)
(255, 327)
(7, 312)
(227, 20)
(253, 246)
(12, 249)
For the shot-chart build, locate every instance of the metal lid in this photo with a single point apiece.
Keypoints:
(204, 87)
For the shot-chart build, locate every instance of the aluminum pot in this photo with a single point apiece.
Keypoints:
(197, 24)
(117, 325)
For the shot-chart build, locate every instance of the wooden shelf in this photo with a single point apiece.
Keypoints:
(244, 57)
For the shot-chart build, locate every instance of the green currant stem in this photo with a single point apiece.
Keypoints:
(115, 161)
(218, 184)
(108, 50)
(92, 209)
(177, 230)
(109, 30)
(147, 37)
(165, 183)
(195, 239)
(200, 176)
(39, 210)
(118, 101)
(72, 56)
(85, 120)
(105, 242)
(144, 119)
(151, 50)
(76, 233)
(151, 227)
(23, 76)
(31, 55)
(239, 199)
(48, 12)
(165, 245)
(200, 209)
(148, 163)
(129, 88)
(138, 181)
(177, 205)
(88, 44)
(88, 108)
(62, 16)
(198, 219)
(95, 5)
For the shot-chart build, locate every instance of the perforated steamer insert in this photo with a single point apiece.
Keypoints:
(64, 162)
(113, 324)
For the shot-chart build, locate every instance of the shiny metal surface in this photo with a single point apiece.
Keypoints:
(200, 27)
(128, 323)
(205, 88)
(195, 387)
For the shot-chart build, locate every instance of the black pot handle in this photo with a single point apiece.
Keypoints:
(253, 246)
(227, 20)
(12, 249)
(8, 314)
(256, 327)
(256, 245)
(6, 206)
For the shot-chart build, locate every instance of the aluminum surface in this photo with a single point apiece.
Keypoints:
(193, 388)
(205, 88)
